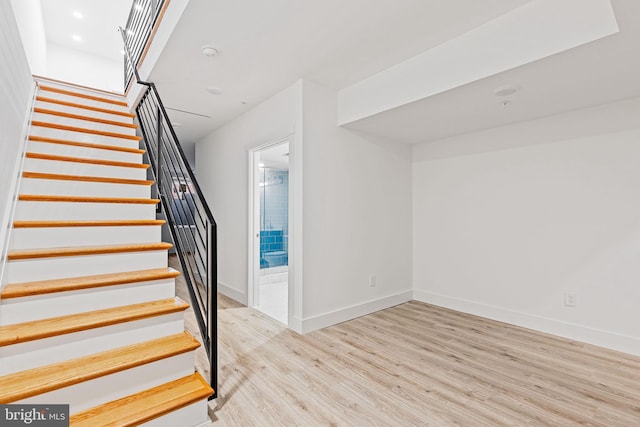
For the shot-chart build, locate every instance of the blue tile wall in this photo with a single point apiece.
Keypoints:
(274, 218)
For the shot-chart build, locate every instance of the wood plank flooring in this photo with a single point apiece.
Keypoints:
(415, 365)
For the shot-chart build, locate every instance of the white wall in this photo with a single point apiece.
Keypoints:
(28, 15)
(357, 217)
(507, 220)
(173, 12)
(75, 66)
(222, 171)
(189, 149)
(356, 206)
(15, 92)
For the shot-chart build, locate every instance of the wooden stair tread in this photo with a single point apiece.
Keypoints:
(85, 250)
(81, 95)
(41, 287)
(147, 405)
(86, 199)
(88, 223)
(83, 106)
(55, 326)
(57, 158)
(81, 117)
(106, 179)
(36, 138)
(85, 130)
(25, 384)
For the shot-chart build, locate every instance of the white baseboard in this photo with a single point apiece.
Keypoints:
(295, 324)
(232, 293)
(602, 338)
(342, 315)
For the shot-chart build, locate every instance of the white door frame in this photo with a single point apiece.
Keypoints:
(253, 244)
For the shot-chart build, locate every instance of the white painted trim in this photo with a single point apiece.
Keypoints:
(253, 288)
(232, 293)
(295, 324)
(599, 337)
(10, 210)
(296, 226)
(342, 315)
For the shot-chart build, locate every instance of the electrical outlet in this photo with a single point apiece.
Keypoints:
(372, 280)
(570, 299)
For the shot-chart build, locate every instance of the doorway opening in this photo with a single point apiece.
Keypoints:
(270, 219)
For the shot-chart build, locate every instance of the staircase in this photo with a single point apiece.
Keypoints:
(89, 315)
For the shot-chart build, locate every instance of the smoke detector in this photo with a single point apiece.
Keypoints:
(505, 91)
(209, 51)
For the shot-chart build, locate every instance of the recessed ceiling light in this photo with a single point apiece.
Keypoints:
(138, 6)
(176, 124)
(214, 90)
(122, 51)
(77, 14)
(76, 38)
(209, 51)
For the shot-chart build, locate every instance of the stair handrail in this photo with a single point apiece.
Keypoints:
(197, 247)
(140, 25)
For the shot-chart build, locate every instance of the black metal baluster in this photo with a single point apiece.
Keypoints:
(191, 223)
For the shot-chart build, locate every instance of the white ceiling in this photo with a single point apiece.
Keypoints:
(266, 46)
(98, 26)
(599, 72)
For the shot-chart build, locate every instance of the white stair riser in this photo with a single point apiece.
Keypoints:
(83, 137)
(86, 124)
(82, 188)
(84, 152)
(195, 415)
(84, 111)
(33, 211)
(115, 95)
(101, 390)
(52, 237)
(30, 270)
(27, 309)
(33, 354)
(82, 169)
(82, 100)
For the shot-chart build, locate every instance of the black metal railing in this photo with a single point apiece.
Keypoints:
(188, 216)
(142, 19)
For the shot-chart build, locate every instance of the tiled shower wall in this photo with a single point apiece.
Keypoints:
(274, 218)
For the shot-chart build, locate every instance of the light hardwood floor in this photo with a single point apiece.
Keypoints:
(415, 365)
